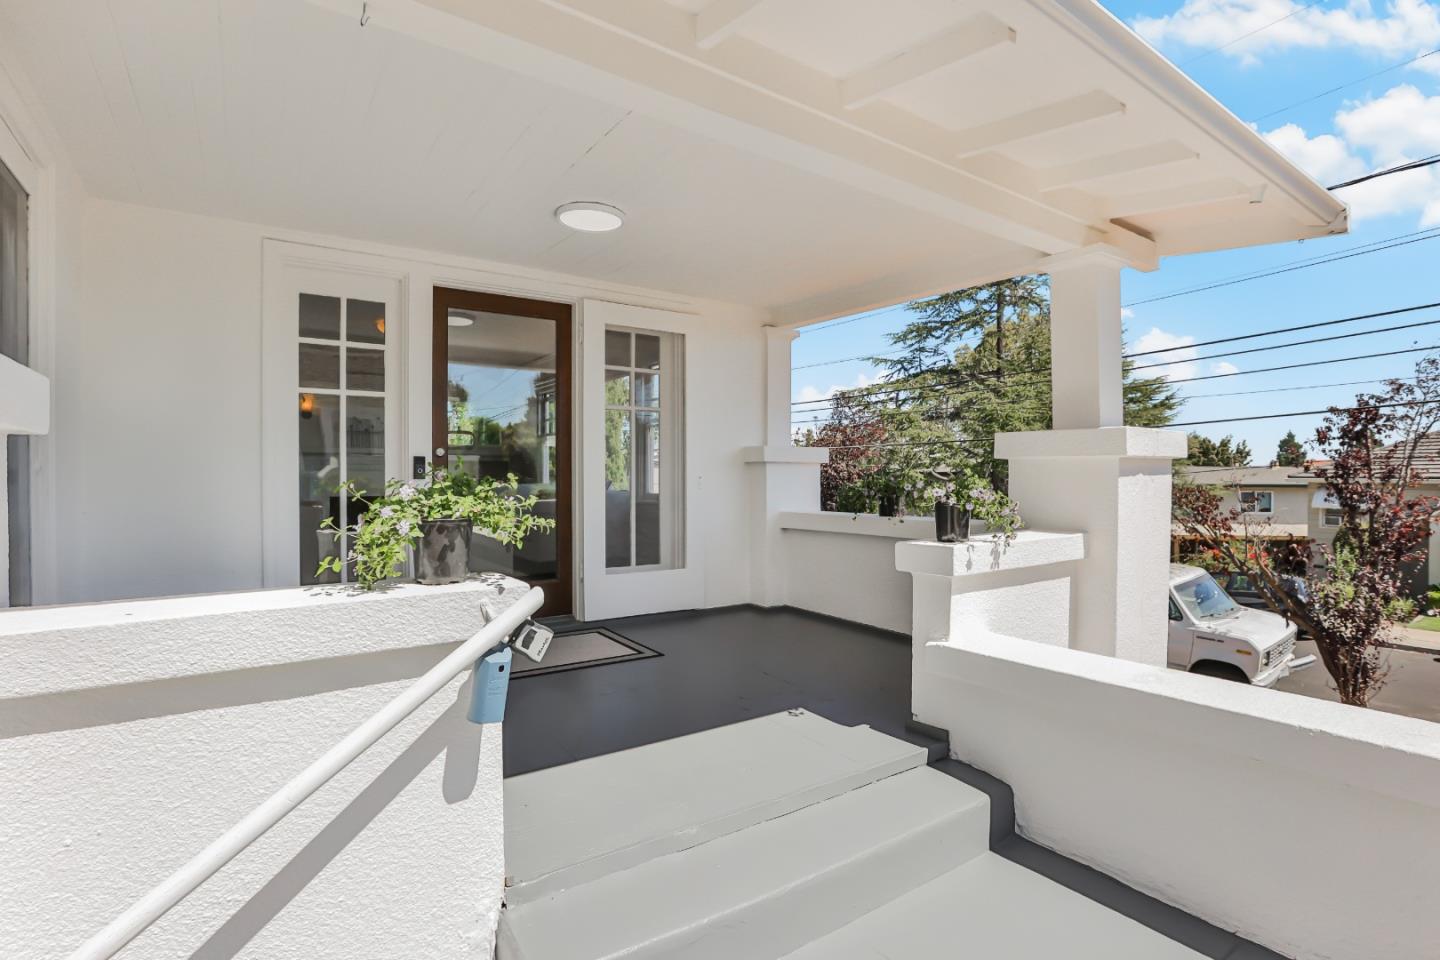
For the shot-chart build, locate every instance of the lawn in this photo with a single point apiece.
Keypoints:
(1426, 623)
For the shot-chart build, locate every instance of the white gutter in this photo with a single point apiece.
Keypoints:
(1108, 36)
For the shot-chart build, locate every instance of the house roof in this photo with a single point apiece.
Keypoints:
(1247, 476)
(809, 157)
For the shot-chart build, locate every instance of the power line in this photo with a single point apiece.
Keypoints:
(1292, 343)
(1429, 161)
(1325, 93)
(1376, 246)
(832, 324)
(1308, 386)
(1267, 333)
(1246, 36)
(1306, 413)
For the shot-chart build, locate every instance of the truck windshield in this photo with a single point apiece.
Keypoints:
(1204, 599)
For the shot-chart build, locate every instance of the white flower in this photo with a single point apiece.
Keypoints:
(404, 528)
(406, 491)
(387, 511)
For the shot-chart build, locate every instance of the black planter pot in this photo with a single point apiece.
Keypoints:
(889, 505)
(443, 553)
(952, 522)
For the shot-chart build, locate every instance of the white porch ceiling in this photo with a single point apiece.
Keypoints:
(809, 156)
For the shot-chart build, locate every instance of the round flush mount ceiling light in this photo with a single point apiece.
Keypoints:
(460, 320)
(590, 217)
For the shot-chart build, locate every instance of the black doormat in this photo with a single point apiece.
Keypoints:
(579, 647)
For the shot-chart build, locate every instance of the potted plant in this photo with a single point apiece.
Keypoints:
(963, 495)
(435, 518)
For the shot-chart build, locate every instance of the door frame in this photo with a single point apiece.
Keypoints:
(560, 591)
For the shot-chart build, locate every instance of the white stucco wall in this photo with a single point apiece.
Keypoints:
(1310, 827)
(159, 405)
(843, 565)
(132, 734)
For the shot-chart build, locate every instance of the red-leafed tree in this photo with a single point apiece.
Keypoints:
(853, 433)
(1385, 526)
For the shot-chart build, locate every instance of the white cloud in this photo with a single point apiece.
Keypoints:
(1394, 29)
(1127, 314)
(1401, 125)
(1158, 339)
(1223, 366)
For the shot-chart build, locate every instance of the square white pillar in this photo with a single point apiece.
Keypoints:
(1093, 475)
(777, 385)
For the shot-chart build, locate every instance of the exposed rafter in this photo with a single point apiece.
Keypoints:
(1189, 195)
(719, 20)
(1031, 123)
(1113, 164)
(963, 41)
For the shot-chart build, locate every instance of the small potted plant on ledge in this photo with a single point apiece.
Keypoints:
(435, 518)
(963, 495)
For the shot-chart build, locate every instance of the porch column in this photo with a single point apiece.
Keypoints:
(782, 477)
(1091, 474)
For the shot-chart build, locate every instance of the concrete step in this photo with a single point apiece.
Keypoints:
(576, 823)
(771, 888)
(991, 907)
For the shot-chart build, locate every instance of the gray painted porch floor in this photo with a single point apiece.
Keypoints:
(724, 666)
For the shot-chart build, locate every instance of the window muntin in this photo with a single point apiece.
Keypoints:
(1257, 501)
(1333, 518)
(341, 389)
(643, 452)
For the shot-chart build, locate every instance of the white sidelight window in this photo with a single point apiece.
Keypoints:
(15, 344)
(644, 450)
(341, 354)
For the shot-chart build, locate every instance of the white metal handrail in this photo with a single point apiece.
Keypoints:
(180, 884)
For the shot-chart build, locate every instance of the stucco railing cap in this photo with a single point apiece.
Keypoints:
(1143, 442)
(50, 650)
(988, 554)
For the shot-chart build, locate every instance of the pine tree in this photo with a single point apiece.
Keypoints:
(1290, 452)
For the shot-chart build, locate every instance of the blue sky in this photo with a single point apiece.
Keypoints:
(1293, 51)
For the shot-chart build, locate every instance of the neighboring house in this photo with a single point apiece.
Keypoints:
(1275, 501)
(260, 246)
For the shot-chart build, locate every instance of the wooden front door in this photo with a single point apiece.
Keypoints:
(501, 406)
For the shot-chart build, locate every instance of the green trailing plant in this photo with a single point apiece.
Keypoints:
(390, 524)
(961, 484)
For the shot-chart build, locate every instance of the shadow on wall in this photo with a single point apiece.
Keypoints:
(450, 733)
(121, 703)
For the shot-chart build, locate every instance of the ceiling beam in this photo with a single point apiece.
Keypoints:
(1060, 115)
(963, 41)
(1112, 164)
(642, 55)
(719, 20)
(1177, 198)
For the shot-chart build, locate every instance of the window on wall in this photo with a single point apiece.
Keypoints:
(1333, 518)
(341, 403)
(1257, 501)
(15, 344)
(643, 450)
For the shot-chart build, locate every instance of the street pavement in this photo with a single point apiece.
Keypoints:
(1412, 687)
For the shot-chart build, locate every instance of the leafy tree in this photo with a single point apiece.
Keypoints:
(1205, 452)
(1385, 525)
(853, 435)
(975, 363)
(1290, 453)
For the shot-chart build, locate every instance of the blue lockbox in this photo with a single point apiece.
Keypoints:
(490, 685)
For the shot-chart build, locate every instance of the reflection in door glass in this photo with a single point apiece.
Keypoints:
(501, 418)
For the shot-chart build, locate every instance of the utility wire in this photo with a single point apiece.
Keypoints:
(1429, 161)
(1325, 93)
(1376, 246)
(1267, 333)
(1246, 36)
(1293, 343)
(1305, 413)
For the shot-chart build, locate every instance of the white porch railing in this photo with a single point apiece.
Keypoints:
(180, 884)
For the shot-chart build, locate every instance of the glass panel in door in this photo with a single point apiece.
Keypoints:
(502, 414)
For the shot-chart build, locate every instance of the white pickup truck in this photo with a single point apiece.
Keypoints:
(1213, 635)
